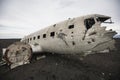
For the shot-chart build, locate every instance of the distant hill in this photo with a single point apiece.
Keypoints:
(5, 43)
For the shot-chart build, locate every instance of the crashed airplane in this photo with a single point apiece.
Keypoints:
(73, 36)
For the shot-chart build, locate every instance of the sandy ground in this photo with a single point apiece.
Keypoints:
(57, 67)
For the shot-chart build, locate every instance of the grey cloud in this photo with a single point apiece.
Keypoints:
(66, 3)
(2, 2)
(34, 14)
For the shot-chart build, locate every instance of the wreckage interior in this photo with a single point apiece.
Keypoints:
(89, 22)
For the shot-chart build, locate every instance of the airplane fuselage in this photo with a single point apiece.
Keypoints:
(73, 36)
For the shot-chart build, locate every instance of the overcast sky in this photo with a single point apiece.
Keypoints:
(22, 17)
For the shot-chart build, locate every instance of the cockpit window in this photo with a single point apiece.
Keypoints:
(89, 22)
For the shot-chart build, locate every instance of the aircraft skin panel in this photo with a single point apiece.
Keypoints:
(65, 42)
(70, 36)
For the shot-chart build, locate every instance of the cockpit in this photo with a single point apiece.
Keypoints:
(90, 21)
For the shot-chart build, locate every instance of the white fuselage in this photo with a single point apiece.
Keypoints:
(71, 37)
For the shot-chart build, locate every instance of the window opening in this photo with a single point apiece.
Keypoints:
(71, 26)
(52, 34)
(33, 38)
(38, 37)
(44, 35)
(73, 43)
